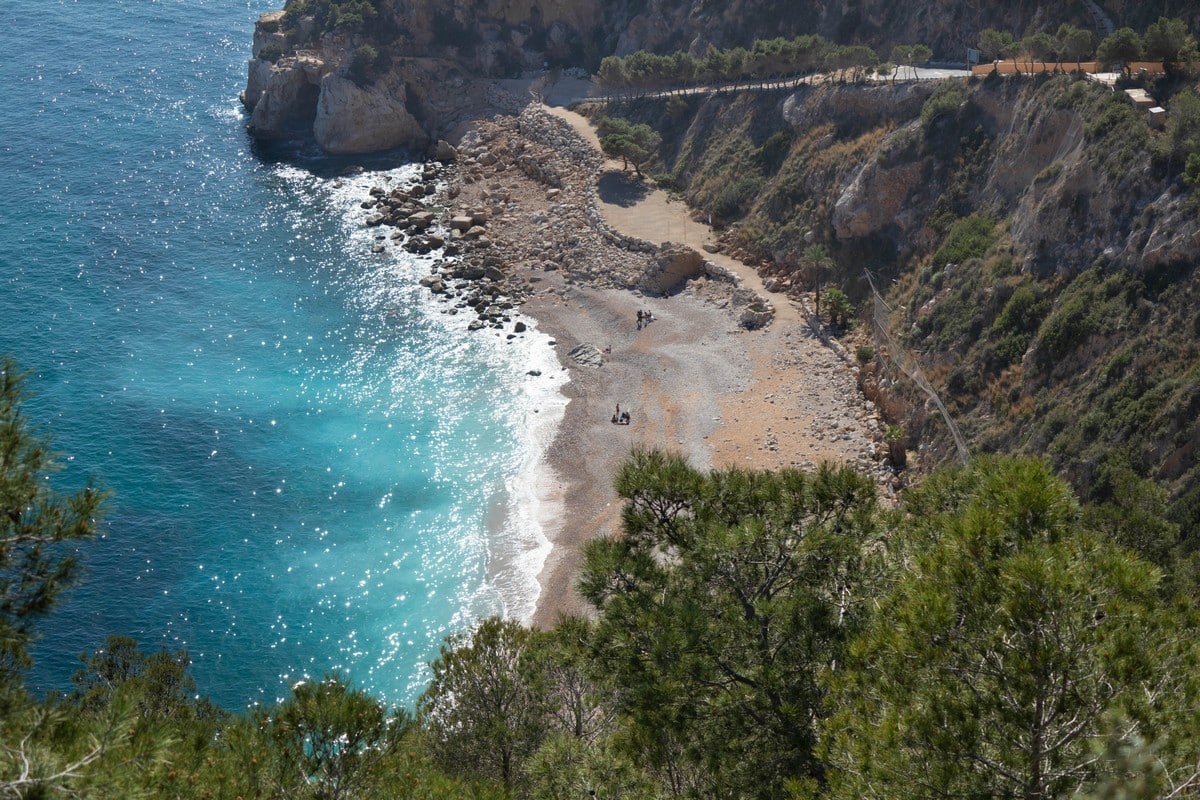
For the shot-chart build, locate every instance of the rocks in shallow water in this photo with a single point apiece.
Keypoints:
(434, 283)
(421, 219)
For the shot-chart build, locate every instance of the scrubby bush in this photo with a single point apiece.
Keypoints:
(271, 52)
(773, 151)
(839, 305)
(945, 100)
(349, 15)
(362, 62)
(968, 238)
(1016, 324)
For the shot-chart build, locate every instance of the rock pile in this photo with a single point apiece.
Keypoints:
(517, 198)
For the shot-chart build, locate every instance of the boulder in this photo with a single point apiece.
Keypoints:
(674, 265)
(421, 220)
(587, 355)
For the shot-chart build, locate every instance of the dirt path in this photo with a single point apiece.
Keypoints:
(649, 213)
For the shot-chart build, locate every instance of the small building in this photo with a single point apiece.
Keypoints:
(1156, 117)
(1141, 99)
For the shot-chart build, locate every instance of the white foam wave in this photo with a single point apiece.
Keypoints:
(534, 499)
(518, 541)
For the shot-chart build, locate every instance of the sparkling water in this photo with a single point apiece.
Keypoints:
(313, 468)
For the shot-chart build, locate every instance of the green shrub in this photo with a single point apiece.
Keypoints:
(865, 354)
(1191, 171)
(362, 62)
(1066, 329)
(677, 106)
(839, 306)
(945, 100)
(353, 14)
(1051, 172)
(968, 238)
(271, 52)
(897, 453)
(1023, 312)
(349, 15)
(1093, 303)
(773, 151)
(733, 199)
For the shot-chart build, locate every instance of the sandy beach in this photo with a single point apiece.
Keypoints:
(693, 380)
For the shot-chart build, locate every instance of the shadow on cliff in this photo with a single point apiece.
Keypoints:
(305, 153)
(621, 188)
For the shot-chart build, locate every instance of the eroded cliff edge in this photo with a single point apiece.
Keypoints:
(368, 75)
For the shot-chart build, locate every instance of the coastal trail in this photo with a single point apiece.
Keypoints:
(651, 215)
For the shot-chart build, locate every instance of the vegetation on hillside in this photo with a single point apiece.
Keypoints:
(765, 60)
(1041, 339)
(757, 635)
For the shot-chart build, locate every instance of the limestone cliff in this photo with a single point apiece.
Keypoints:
(433, 58)
(1033, 163)
(431, 68)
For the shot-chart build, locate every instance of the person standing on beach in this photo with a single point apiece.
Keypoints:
(639, 315)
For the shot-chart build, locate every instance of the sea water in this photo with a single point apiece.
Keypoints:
(313, 468)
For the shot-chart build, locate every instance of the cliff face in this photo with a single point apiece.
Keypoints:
(432, 54)
(1033, 163)
(430, 71)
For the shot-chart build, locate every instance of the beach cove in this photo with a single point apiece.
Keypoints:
(596, 249)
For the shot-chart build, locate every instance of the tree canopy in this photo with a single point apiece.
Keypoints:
(35, 522)
(1013, 640)
(634, 143)
(727, 597)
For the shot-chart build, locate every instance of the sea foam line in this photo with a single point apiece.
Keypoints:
(519, 546)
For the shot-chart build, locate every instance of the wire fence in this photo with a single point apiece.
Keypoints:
(906, 363)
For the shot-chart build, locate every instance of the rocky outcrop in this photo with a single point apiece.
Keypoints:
(878, 198)
(674, 265)
(351, 119)
(419, 92)
(283, 96)
(1032, 165)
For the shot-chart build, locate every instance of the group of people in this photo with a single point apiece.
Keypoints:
(620, 417)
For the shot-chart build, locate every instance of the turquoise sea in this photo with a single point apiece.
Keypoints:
(313, 468)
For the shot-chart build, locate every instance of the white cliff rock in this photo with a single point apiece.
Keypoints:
(875, 197)
(280, 91)
(351, 119)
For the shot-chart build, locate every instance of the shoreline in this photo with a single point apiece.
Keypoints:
(695, 380)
